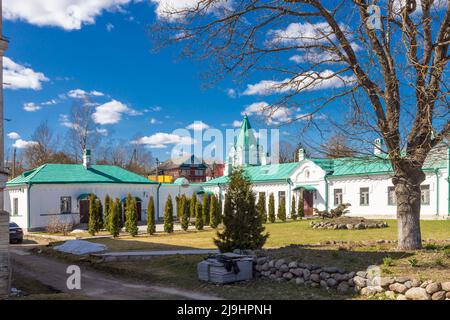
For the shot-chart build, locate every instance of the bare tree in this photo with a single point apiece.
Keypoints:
(82, 132)
(41, 152)
(338, 147)
(287, 152)
(391, 61)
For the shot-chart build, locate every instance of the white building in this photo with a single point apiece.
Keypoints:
(365, 183)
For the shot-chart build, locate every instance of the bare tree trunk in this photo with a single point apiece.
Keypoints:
(407, 192)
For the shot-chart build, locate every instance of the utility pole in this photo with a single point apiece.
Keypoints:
(5, 270)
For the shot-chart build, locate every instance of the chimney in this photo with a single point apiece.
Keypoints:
(378, 146)
(301, 154)
(87, 158)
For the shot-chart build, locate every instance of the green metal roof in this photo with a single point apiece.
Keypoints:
(246, 137)
(305, 187)
(273, 172)
(77, 173)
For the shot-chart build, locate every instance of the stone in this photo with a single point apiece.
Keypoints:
(279, 263)
(390, 294)
(318, 271)
(351, 274)
(351, 282)
(343, 288)
(447, 295)
(361, 274)
(349, 226)
(297, 271)
(288, 275)
(401, 279)
(283, 268)
(323, 284)
(261, 260)
(265, 267)
(331, 270)
(386, 281)
(408, 284)
(292, 265)
(324, 275)
(331, 282)
(440, 295)
(360, 226)
(299, 281)
(339, 277)
(306, 274)
(272, 264)
(433, 287)
(415, 283)
(314, 285)
(360, 281)
(398, 288)
(401, 297)
(368, 291)
(417, 294)
(278, 274)
(445, 286)
(314, 277)
(426, 283)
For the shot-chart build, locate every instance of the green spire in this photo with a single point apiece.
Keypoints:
(246, 137)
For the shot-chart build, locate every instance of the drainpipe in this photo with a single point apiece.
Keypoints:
(436, 171)
(326, 191)
(157, 200)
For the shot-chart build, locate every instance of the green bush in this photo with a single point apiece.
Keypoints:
(213, 212)
(168, 215)
(300, 209)
(131, 216)
(293, 209)
(107, 212)
(282, 210)
(199, 216)
(193, 205)
(243, 226)
(151, 226)
(115, 217)
(271, 216)
(95, 215)
(205, 207)
(261, 207)
(185, 213)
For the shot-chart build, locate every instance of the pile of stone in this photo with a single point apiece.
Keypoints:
(401, 288)
(304, 274)
(333, 224)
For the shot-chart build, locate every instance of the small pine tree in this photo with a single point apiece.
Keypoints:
(168, 215)
(114, 219)
(193, 205)
(261, 207)
(300, 209)
(178, 202)
(185, 212)
(219, 211)
(93, 225)
(206, 204)
(199, 216)
(131, 214)
(293, 209)
(213, 212)
(107, 210)
(281, 214)
(243, 227)
(99, 208)
(271, 216)
(151, 227)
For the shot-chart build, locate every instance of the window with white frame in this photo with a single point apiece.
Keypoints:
(364, 196)
(392, 199)
(66, 205)
(338, 197)
(425, 194)
(15, 210)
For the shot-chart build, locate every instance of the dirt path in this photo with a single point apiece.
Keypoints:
(94, 284)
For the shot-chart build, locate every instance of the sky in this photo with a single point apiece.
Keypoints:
(62, 51)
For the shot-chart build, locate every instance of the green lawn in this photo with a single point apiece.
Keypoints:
(281, 234)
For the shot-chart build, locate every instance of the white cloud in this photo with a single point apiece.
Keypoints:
(232, 93)
(49, 102)
(236, 123)
(109, 27)
(66, 14)
(306, 82)
(273, 115)
(13, 136)
(102, 131)
(31, 107)
(65, 121)
(111, 112)
(317, 56)
(82, 94)
(198, 126)
(173, 9)
(22, 144)
(162, 140)
(155, 121)
(16, 76)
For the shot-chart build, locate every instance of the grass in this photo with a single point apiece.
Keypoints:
(281, 234)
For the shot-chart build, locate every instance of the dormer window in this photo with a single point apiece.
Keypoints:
(307, 174)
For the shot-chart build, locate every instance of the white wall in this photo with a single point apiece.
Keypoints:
(173, 190)
(45, 200)
(20, 193)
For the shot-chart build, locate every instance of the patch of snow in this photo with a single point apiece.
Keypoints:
(75, 231)
(79, 247)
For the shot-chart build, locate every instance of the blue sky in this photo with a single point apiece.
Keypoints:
(111, 55)
(66, 49)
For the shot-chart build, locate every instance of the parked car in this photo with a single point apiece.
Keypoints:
(15, 233)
